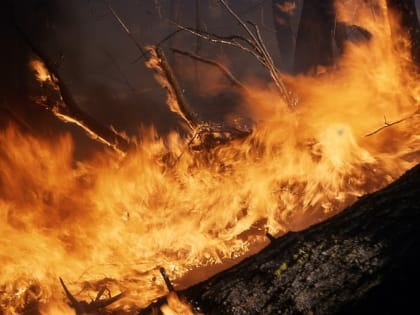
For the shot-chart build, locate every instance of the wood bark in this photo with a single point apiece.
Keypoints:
(283, 13)
(314, 42)
(362, 261)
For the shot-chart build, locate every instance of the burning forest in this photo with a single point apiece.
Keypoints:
(263, 120)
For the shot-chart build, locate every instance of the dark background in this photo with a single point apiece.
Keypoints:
(100, 63)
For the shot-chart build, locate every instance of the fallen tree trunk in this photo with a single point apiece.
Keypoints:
(363, 260)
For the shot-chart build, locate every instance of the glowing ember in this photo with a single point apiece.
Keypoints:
(112, 221)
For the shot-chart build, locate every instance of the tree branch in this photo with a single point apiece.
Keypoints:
(164, 75)
(389, 124)
(66, 108)
(229, 75)
(125, 27)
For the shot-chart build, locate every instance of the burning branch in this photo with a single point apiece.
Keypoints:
(83, 307)
(204, 135)
(389, 124)
(164, 75)
(125, 27)
(62, 104)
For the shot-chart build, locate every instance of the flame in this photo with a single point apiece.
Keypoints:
(41, 72)
(112, 221)
(176, 306)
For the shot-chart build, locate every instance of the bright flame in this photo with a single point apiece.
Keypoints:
(113, 221)
(176, 306)
(41, 71)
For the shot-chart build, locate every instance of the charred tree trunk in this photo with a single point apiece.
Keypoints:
(362, 261)
(283, 12)
(314, 42)
(405, 11)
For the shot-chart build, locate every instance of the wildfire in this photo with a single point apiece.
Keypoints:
(112, 221)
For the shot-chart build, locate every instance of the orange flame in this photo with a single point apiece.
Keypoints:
(112, 221)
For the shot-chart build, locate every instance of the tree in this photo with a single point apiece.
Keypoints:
(314, 43)
(283, 14)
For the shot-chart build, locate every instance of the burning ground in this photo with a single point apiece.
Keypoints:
(112, 220)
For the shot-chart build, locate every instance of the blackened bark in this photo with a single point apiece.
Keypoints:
(283, 12)
(405, 11)
(362, 261)
(314, 43)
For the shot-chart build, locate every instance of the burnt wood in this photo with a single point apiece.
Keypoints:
(361, 261)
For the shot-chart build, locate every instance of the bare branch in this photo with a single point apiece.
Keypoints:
(396, 122)
(261, 49)
(65, 107)
(285, 93)
(226, 40)
(256, 48)
(125, 27)
(229, 75)
(242, 23)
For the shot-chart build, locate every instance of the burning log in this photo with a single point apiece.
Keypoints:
(360, 261)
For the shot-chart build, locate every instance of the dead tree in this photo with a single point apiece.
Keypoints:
(283, 13)
(321, 37)
(314, 42)
(362, 261)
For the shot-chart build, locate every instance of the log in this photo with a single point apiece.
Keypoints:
(361, 261)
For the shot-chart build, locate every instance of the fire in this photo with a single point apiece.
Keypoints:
(41, 71)
(176, 306)
(109, 222)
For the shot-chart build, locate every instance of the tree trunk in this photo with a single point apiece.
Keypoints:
(314, 43)
(362, 261)
(405, 11)
(283, 12)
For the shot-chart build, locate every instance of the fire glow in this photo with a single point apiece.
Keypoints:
(113, 221)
